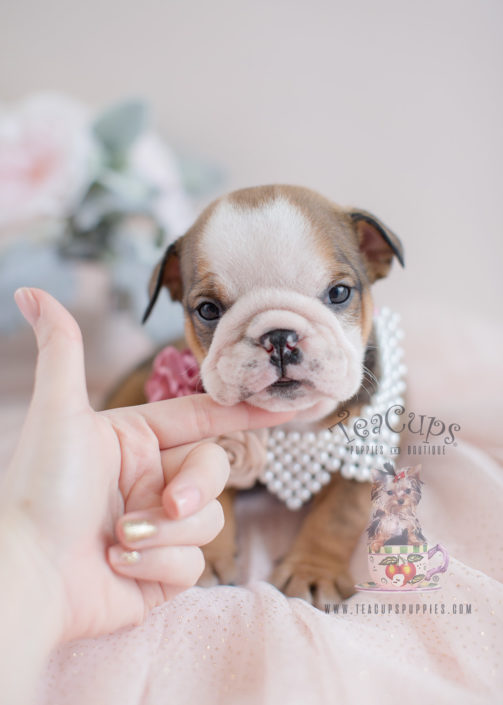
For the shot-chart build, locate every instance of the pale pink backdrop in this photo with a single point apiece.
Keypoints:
(393, 107)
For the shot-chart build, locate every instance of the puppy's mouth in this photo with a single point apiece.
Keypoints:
(284, 384)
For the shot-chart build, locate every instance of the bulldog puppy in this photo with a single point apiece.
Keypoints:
(275, 284)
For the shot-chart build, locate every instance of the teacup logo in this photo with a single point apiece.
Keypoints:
(396, 420)
(399, 555)
(395, 496)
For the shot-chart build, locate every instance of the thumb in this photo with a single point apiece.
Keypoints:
(60, 379)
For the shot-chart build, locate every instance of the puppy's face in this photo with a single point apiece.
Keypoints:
(397, 495)
(275, 286)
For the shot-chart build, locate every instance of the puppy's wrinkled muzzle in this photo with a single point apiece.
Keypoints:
(281, 350)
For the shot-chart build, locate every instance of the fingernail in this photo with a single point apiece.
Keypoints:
(187, 500)
(138, 529)
(27, 304)
(118, 555)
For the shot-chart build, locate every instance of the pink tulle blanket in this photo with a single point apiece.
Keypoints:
(250, 644)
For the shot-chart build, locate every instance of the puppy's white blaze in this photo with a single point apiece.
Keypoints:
(271, 245)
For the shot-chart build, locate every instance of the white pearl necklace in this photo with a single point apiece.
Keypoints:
(300, 464)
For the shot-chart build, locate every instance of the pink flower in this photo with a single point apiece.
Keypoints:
(174, 374)
(247, 453)
(46, 157)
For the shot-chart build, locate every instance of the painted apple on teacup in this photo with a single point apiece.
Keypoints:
(406, 567)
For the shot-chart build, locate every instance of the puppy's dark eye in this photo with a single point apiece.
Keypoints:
(390, 491)
(339, 294)
(208, 311)
(407, 491)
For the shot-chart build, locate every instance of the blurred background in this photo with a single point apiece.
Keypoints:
(120, 120)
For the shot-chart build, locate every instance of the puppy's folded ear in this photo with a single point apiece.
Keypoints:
(414, 472)
(378, 475)
(167, 273)
(378, 244)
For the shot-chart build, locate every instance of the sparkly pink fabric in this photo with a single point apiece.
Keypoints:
(249, 645)
(175, 373)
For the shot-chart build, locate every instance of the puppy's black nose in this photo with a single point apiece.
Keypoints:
(281, 344)
(400, 501)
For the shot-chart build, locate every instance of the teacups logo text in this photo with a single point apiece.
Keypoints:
(433, 432)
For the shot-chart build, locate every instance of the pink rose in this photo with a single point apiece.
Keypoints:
(175, 373)
(247, 455)
(46, 157)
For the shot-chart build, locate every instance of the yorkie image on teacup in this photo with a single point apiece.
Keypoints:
(399, 555)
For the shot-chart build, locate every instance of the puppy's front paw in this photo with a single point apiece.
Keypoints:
(218, 569)
(298, 577)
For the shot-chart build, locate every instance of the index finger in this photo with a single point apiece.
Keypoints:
(197, 416)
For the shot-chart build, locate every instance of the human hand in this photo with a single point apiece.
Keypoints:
(107, 510)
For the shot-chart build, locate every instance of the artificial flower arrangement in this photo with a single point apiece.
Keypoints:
(78, 186)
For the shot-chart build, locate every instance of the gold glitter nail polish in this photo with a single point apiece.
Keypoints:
(130, 557)
(137, 530)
